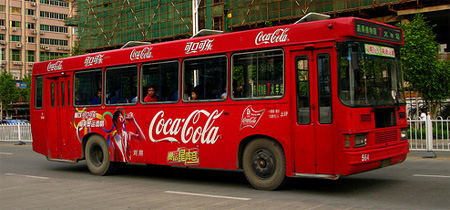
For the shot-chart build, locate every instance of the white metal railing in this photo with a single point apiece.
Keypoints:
(429, 135)
(20, 132)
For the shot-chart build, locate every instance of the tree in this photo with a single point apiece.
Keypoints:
(8, 90)
(77, 50)
(422, 69)
(25, 92)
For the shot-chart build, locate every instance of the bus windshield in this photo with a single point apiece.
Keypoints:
(369, 75)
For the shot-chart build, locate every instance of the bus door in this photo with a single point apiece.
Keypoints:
(312, 132)
(57, 123)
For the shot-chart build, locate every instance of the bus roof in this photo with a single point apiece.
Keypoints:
(278, 36)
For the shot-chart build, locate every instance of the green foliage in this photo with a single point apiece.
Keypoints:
(8, 91)
(77, 50)
(25, 92)
(439, 131)
(422, 69)
(268, 24)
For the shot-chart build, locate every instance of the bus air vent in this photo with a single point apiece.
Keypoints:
(366, 118)
(385, 136)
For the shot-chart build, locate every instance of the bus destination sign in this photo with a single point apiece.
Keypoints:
(377, 31)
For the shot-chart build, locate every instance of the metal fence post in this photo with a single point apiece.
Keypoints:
(19, 135)
(429, 135)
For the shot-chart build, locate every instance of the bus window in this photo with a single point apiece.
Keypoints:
(68, 93)
(63, 104)
(38, 92)
(52, 92)
(324, 80)
(86, 85)
(205, 78)
(163, 78)
(303, 103)
(121, 85)
(258, 74)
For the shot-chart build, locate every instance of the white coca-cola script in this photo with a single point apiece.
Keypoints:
(90, 61)
(188, 129)
(251, 117)
(279, 35)
(195, 47)
(141, 54)
(55, 66)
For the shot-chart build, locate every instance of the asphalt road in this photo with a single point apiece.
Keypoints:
(29, 181)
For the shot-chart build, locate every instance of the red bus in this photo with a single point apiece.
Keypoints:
(316, 99)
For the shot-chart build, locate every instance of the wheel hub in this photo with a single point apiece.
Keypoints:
(264, 163)
(97, 155)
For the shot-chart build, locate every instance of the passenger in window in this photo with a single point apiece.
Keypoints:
(196, 92)
(134, 100)
(224, 94)
(239, 91)
(151, 94)
(114, 99)
(97, 99)
(194, 95)
(185, 91)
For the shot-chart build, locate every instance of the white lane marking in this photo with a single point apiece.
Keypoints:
(429, 175)
(206, 195)
(29, 176)
(5, 153)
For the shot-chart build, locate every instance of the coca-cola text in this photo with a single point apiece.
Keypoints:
(55, 66)
(279, 35)
(145, 53)
(188, 129)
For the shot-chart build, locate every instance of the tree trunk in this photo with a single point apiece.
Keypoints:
(434, 108)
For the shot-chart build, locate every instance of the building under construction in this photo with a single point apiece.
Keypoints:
(109, 24)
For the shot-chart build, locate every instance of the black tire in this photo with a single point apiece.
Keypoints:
(264, 164)
(97, 157)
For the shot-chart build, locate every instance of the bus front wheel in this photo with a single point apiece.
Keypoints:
(97, 156)
(264, 164)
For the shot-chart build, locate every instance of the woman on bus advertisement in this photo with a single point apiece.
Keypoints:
(119, 145)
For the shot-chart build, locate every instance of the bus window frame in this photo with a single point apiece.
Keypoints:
(328, 57)
(74, 89)
(259, 97)
(141, 77)
(36, 91)
(308, 86)
(137, 66)
(183, 82)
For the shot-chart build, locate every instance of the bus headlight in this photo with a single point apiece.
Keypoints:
(404, 134)
(360, 140)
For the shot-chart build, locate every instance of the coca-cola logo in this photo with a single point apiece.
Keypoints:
(279, 35)
(195, 47)
(198, 126)
(90, 61)
(141, 54)
(55, 66)
(251, 117)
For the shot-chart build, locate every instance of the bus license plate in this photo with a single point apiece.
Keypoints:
(385, 162)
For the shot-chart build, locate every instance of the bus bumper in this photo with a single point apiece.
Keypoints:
(367, 160)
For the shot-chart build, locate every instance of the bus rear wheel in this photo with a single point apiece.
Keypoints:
(97, 157)
(264, 164)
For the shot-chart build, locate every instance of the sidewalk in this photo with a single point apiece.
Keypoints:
(420, 154)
